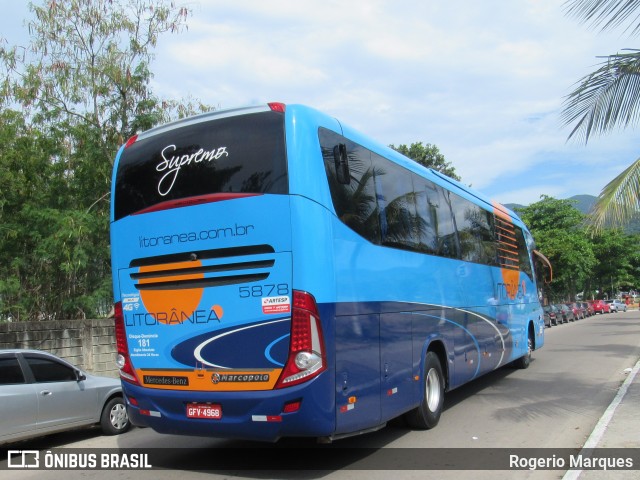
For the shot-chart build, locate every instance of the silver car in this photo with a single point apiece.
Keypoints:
(41, 394)
(617, 305)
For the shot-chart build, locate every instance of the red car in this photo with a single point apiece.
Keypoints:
(599, 306)
(578, 311)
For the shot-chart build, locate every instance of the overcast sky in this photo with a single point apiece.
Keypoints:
(482, 80)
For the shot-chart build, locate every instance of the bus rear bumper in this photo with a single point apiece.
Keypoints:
(300, 411)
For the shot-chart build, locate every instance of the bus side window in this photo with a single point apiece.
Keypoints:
(448, 243)
(523, 253)
(475, 230)
(353, 195)
(399, 226)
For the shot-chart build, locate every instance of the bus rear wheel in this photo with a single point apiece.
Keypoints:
(427, 414)
(524, 361)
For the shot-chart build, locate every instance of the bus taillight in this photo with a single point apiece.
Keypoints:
(131, 141)
(307, 357)
(123, 361)
(277, 107)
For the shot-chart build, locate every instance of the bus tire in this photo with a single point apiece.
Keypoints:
(427, 414)
(524, 361)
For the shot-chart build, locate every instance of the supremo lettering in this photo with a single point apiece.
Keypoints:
(173, 163)
(213, 234)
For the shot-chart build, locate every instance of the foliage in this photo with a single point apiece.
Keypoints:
(617, 266)
(552, 214)
(606, 99)
(559, 232)
(71, 97)
(428, 156)
(619, 202)
(581, 263)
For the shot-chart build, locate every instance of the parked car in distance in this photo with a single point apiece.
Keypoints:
(616, 305)
(620, 305)
(588, 309)
(599, 306)
(550, 317)
(577, 310)
(42, 394)
(566, 313)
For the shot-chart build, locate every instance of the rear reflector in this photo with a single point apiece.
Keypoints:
(266, 418)
(291, 407)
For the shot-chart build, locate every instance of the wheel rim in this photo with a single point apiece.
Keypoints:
(118, 416)
(529, 346)
(433, 390)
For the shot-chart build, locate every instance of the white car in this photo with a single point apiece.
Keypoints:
(42, 394)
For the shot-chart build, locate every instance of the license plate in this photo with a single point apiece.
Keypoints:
(204, 410)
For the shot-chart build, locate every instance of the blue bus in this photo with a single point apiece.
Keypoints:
(278, 274)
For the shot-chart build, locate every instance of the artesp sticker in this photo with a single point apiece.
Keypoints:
(281, 304)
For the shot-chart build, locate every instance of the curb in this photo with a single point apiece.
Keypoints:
(601, 427)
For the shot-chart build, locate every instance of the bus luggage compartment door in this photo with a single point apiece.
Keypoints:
(357, 372)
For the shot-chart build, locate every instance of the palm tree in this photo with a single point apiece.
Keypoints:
(609, 98)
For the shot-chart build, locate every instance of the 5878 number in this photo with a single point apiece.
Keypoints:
(267, 290)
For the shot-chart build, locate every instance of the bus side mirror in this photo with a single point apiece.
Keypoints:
(342, 164)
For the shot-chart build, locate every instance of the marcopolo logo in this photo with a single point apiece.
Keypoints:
(217, 378)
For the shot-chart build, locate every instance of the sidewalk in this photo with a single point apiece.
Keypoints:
(619, 427)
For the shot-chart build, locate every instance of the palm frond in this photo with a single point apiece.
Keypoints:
(618, 202)
(606, 14)
(606, 98)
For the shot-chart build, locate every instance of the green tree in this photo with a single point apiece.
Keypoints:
(428, 156)
(71, 97)
(88, 63)
(606, 99)
(616, 260)
(24, 174)
(559, 231)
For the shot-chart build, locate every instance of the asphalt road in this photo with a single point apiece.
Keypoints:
(555, 403)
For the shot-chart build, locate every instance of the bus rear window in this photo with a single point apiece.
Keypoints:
(237, 154)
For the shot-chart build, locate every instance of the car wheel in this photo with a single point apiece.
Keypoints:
(114, 419)
(427, 414)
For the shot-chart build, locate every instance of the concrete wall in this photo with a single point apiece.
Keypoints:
(89, 344)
